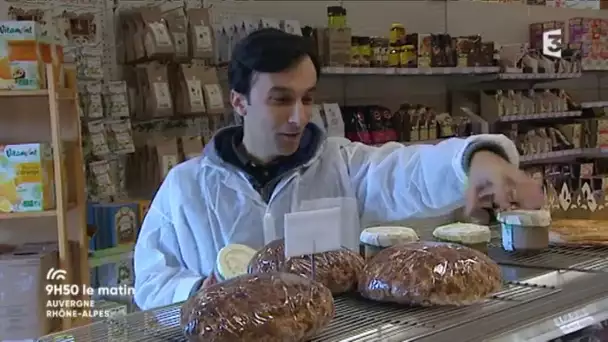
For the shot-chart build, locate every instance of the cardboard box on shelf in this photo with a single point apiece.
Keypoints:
(118, 275)
(23, 297)
(53, 248)
(26, 178)
(24, 50)
(144, 206)
(116, 224)
(337, 46)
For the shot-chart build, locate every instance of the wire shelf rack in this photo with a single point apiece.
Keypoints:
(581, 259)
(356, 320)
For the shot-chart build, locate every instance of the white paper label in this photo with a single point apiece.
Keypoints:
(214, 94)
(507, 237)
(203, 38)
(195, 94)
(335, 124)
(163, 95)
(573, 321)
(104, 179)
(180, 39)
(349, 219)
(310, 232)
(161, 34)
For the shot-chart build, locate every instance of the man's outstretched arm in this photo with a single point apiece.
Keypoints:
(396, 182)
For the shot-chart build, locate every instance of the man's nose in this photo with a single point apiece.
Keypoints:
(296, 113)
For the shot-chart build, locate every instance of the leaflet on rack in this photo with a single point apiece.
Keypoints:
(313, 231)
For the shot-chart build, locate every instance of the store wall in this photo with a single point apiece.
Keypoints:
(504, 23)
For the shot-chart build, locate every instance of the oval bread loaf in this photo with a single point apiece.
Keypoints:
(271, 307)
(338, 270)
(430, 273)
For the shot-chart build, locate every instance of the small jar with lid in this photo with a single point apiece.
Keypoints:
(355, 56)
(525, 230)
(342, 18)
(384, 53)
(375, 239)
(407, 57)
(471, 235)
(397, 33)
(233, 261)
(394, 56)
(334, 14)
(365, 51)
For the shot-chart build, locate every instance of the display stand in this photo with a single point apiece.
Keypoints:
(51, 115)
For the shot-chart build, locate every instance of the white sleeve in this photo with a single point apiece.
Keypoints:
(160, 275)
(395, 182)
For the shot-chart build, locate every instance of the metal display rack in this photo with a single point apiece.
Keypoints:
(546, 295)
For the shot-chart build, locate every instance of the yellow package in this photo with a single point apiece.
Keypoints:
(26, 178)
(144, 206)
(24, 50)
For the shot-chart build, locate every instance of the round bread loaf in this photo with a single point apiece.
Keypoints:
(338, 270)
(271, 307)
(430, 273)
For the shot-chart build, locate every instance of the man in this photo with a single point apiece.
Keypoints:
(276, 161)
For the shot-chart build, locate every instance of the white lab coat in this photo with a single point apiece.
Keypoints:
(205, 203)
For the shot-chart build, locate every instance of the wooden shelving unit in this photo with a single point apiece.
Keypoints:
(51, 116)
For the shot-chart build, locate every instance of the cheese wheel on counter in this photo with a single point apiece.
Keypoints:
(468, 234)
(233, 260)
(374, 239)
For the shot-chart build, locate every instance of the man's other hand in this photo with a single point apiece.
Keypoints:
(210, 280)
(491, 175)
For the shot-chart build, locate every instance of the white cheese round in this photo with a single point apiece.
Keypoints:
(387, 236)
(233, 260)
(526, 218)
(468, 233)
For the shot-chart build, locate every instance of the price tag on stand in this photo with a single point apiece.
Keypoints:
(311, 232)
(574, 321)
(349, 235)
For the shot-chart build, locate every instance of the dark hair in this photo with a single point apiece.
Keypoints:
(267, 50)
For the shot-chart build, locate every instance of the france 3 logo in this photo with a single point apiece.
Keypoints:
(552, 43)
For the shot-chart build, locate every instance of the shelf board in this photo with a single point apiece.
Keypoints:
(410, 71)
(63, 93)
(32, 214)
(111, 255)
(540, 116)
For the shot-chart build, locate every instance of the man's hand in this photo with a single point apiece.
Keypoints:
(491, 175)
(210, 280)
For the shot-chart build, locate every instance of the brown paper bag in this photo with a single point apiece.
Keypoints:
(192, 147)
(167, 155)
(156, 37)
(212, 92)
(128, 30)
(200, 33)
(156, 91)
(177, 23)
(189, 98)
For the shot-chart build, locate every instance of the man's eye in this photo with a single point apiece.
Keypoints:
(307, 100)
(282, 99)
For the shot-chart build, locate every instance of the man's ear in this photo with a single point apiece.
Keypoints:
(238, 102)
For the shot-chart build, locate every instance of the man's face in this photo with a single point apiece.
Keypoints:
(279, 108)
